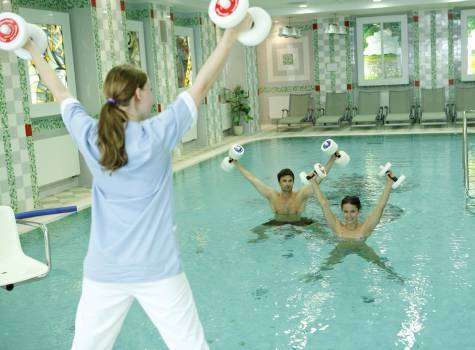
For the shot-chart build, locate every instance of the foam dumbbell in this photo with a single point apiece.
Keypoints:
(318, 170)
(235, 153)
(385, 170)
(330, 147)
(229, 13)
(15, 31)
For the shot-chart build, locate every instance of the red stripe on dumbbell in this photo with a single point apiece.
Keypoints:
(226, 11)
(14, 29)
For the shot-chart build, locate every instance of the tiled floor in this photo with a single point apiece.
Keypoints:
(80, 196)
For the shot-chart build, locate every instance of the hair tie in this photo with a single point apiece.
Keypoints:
(112, 101)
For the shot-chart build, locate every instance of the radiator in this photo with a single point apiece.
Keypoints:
(57, 158)
(276, 105)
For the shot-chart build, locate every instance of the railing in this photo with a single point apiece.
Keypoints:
(466, 174)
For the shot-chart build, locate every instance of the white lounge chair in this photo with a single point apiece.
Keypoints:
(464, 101)
(434, 110)
(401, 109)
(335, 112)
(368, 112)
(300, 111)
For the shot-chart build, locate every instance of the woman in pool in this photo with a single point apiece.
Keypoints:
(351, 229)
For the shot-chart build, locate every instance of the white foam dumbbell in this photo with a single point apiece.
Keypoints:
(330, 147)
(229, 13)
(385, 170)
(318, 170)
(235, 153)
(261, 26)
(15, 31)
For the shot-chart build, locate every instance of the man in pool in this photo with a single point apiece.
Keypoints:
(286, 204)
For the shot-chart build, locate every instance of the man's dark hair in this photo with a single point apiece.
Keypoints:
(285, 172)
(351, 200)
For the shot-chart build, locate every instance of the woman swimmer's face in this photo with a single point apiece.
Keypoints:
(286, 183)
(350, 212)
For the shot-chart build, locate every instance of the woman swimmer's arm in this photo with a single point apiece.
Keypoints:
(327, 212)
(48, 76)
(263, 189)
(373, 218)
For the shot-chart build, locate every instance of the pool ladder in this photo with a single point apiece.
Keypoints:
(466, 173)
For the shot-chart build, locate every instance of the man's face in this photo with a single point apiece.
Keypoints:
(286, 183)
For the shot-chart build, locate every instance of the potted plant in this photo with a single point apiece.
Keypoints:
(239, 101)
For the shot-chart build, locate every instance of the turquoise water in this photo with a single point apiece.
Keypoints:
(409, 287)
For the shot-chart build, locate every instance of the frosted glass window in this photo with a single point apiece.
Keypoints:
(468, 44)
(59, 55)
(55, 56)
(382, 50)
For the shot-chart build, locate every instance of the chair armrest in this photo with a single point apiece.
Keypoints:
(413, 113)
(348, 113)
(380, 114)
(447, 111)
(452, 111)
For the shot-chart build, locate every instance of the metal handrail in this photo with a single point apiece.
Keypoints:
(466, 174)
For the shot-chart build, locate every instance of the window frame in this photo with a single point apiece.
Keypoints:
(59, 18)
(137, 26)
(187, 31)
(360, 21)
(463, 25)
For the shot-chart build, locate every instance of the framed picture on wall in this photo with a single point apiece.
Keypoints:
(288, 59)
(136, 44)
(59, 55)
(382, 51)
(468, 44)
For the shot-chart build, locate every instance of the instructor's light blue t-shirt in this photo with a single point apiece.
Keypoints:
(133, 220)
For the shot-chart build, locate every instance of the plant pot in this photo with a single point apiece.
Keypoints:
(238, 130)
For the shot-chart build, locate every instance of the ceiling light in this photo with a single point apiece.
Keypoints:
(284, 31)
(290, 31)
(303, 5)
(377, 0)
(332, 29)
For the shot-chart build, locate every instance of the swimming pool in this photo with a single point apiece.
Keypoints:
(269, 294)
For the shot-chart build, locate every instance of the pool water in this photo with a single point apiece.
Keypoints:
(410, 286)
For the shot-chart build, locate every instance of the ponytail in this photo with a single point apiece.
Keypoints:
(119, 88)
(111, 137)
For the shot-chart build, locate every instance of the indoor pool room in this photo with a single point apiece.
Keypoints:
(237, 174)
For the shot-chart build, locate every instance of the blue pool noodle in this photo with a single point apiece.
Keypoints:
(48, 211)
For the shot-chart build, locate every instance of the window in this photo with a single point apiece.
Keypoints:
(468, 45)
(136, 44)
(382, 50)
(59, 56)
(184, 59)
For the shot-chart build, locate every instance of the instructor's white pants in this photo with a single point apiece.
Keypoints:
(168, 303)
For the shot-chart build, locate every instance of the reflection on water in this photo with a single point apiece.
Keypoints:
(287, 230)
(342, 250)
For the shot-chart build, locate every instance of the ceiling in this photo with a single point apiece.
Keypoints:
(282, 9)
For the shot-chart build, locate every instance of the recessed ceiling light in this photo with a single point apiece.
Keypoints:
(377, 0)
(303, 5)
